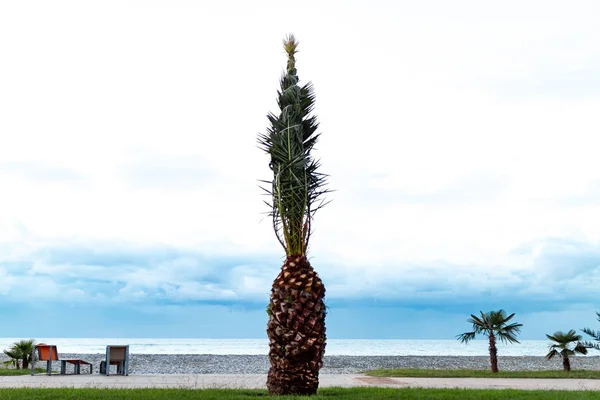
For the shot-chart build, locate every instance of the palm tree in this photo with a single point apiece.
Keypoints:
(594, 334)
(25, 348)
(561, 346)
(493, 325)
(21, 351)
(296, 326)
(15, 356)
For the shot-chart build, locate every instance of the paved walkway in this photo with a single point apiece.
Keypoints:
(248, 381)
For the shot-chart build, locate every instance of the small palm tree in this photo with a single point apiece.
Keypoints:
(15, 356)
(561, 346)
(492, 324)
(25, 348)
(594, 334)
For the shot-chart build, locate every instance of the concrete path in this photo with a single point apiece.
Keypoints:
(247, 381)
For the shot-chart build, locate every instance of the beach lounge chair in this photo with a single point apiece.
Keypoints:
(49, 353)
(116, 355)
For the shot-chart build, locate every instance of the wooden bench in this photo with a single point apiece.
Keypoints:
(49, 353)
(116, 355)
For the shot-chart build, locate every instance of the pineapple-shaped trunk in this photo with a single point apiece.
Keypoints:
(296, 329)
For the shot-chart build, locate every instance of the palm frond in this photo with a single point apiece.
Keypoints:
(494, 322)
(580, 348)
(507, 337)
(486, 319)
(466, 337)
(551, 354)
(14, 354)
(512, 328)
(553, 338)
(561, 337)
(509, 317)
(478, 324)
(297, 188)
(496, 318)
(572, 334)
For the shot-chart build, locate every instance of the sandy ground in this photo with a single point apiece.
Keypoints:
(257, 381)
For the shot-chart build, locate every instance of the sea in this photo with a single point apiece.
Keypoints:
(347, 347)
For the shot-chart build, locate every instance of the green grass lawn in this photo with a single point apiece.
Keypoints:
(324, 394)
(13, 372)
(473, 373)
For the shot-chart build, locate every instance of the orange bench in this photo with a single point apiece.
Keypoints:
(49, 353)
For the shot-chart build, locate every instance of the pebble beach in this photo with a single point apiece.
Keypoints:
(259, 364)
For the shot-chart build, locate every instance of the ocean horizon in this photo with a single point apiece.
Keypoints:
(335, 347)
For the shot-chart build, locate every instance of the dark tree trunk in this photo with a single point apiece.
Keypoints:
(493, 353)
(25, 363)
(566, 363)
(296, 329)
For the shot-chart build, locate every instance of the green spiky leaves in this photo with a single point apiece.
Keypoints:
(297, 188)
(566, 344)
(494, 322)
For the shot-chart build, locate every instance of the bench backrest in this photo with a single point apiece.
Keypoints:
(43, 351)
(117, 353)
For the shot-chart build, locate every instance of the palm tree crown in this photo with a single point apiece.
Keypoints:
(562, 344)
(15, 356)
(297, 188)
(21, 350)
(495, 323)
(25, 347)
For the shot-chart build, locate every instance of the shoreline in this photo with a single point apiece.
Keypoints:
(167, 364)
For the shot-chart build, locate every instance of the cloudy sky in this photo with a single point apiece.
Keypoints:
(461, 139)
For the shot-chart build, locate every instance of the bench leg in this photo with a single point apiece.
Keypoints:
(126, 363)
(33, 361)
(107, 360)
(49, 362)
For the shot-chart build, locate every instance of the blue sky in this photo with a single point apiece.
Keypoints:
(461, 141)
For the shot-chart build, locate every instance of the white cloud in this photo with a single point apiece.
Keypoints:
(547, 274)
(445, 130)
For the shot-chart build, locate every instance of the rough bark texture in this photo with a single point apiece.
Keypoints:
(296, 329)
(566, 363)
(493, 353)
